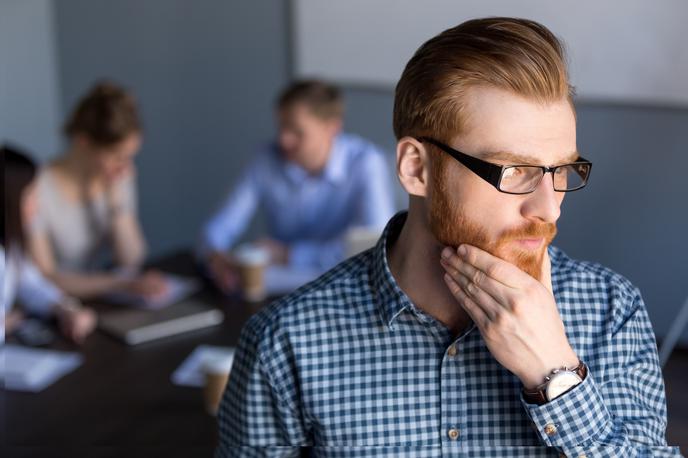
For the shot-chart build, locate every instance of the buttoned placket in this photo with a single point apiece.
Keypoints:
(453, 402)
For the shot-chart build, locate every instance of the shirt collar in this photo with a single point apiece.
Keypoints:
(391, 299)
(334, 171)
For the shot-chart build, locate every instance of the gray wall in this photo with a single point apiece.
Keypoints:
(29, 95)
(206, 72)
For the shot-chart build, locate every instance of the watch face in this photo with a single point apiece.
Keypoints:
(561, 383)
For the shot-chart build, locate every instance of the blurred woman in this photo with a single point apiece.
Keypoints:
(21, 279)
(87, 217)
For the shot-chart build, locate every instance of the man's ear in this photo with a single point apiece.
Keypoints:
(413, 166)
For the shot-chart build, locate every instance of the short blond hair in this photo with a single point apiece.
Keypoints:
(518, 55)
(324, 100)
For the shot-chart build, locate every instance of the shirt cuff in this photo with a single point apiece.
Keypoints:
(577, 417)
(40, 301)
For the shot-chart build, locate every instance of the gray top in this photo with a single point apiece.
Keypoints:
(79, 232)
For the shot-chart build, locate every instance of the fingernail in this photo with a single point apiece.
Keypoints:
(446, 253)
(462, 250)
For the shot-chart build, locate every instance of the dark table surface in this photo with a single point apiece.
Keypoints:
(121, 401)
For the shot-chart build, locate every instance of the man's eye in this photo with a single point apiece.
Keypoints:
(513, 172)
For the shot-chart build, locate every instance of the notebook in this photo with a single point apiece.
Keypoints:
(139, 326)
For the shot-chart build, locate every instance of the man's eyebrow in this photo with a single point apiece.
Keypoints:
(522, 159)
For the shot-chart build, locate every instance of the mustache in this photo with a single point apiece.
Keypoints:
(532, 230)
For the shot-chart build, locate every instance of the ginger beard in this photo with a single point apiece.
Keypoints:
(451, 226)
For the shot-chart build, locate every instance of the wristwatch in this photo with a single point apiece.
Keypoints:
(557, 383)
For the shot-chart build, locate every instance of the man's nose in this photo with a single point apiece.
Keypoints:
(543, 203)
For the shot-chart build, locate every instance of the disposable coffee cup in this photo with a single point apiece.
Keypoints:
(252, 261)
(216, 372)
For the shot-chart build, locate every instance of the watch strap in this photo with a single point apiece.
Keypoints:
(538, 395)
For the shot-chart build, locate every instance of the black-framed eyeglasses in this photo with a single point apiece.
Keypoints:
(521, 179)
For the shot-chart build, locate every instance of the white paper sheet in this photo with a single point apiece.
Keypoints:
(190, 372)
(33, 369)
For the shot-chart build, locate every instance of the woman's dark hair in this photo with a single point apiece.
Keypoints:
(107, 114)
(19, 172)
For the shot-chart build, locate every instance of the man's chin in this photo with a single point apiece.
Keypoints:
(529, 261)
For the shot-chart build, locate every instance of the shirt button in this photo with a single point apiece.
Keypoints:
(453, 434)
(550, 429)
(451, 351)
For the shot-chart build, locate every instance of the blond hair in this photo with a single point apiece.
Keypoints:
(324, 100)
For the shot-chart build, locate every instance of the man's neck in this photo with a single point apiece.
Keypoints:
(318, 167)
(414, 260)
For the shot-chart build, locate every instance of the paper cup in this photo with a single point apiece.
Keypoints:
(216, 372)
(252, 262)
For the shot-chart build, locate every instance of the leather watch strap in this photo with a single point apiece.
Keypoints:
(538, 394)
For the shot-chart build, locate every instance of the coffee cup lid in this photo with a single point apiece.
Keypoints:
(218, 364)
(252, 254)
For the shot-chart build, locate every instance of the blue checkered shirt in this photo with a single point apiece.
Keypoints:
(348, 366)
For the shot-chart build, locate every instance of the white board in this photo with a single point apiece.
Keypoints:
(619, 50)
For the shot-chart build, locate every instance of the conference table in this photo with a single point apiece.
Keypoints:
(121, 401)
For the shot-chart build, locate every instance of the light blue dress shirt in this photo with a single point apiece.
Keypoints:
(21, 279)
(308, 213)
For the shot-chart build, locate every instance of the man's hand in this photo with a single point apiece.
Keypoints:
(279, 252)
(516, 314)
(150, 285)
(12, 320)
(76, 322)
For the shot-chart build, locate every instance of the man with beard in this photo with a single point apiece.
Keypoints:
(463, 332)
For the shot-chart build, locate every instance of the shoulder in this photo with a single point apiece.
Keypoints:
(586, 284)
(45, 179)
(362, 154)
(357, 146)
(593, 273)
(266, 159)
(338, 298)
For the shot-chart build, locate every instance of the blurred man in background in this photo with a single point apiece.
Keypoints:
(314, 183)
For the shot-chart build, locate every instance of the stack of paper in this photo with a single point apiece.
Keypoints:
(32, 369)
